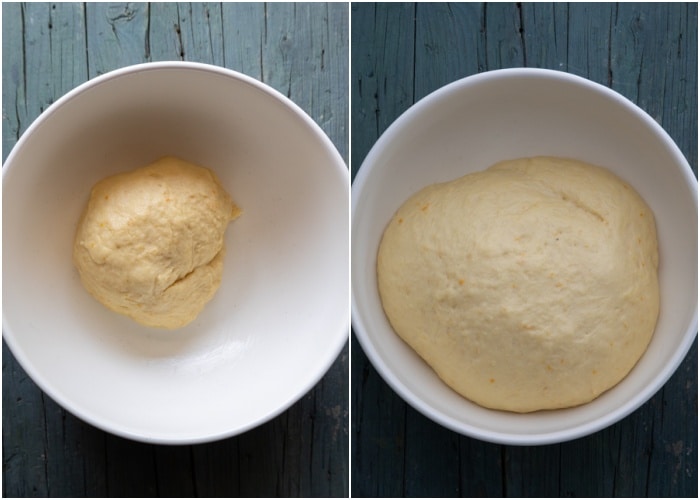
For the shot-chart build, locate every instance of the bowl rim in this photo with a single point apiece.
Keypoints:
(358, 323)
(167, 65)
(10, 336)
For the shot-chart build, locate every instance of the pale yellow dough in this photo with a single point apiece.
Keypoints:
(531, 285)
(150, 242)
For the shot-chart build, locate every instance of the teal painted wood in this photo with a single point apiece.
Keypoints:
(479, 462)
(402, 52)
(382, 83)
(302, 51)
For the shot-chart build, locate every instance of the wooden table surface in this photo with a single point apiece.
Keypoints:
(402, 52)
(300, 50)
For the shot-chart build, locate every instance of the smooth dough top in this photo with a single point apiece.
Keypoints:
(531, 285)
(150, 242)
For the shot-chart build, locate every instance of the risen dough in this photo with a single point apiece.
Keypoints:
(150, 242)
(531, 285)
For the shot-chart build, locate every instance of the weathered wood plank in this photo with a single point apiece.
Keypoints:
(37, 55)
(480, 466)
(383, 75)
(130, 468)
(335, 117)
(271, 459)
(23, 433)
(244, 36)
(164, 39)
(544, 34)
(378, 432)
(363, 89)
(64, 450)
(215, 469)
(48, 59)
(673, 461)
(329, 441)
(532, 470)
(395, 91)
(67, 38)
(116, 35)
(629, 446)
(442, 478)
(440, 62)
(201, 32)
(592, 455)
(13, 83)
(588, 41)
(174, 465)
(663, 81)
(503, 38)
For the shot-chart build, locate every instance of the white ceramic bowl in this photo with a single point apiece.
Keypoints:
(281, 315)
(473, 123)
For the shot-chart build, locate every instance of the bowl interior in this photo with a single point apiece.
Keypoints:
(280, 316)
(474, 123)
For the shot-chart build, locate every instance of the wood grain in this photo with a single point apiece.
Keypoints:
(302, 51)
(402, 52)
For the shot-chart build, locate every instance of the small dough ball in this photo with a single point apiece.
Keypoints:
(531, 285)
(150, 242)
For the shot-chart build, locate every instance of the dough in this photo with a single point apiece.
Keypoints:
(531, 285)
(150, 242)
